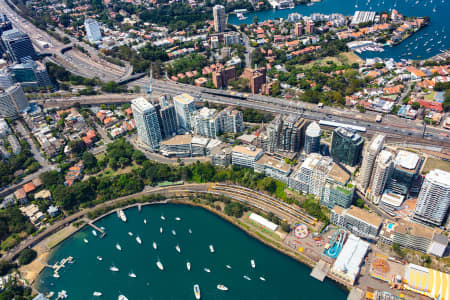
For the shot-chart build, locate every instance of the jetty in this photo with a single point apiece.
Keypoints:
(320, 270)
(59, 265)
(103, 233)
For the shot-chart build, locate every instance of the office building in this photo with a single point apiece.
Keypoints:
(434, 198)
(232, 38)
(92, 30)
(336, 194)
(285, 134)
(168, 123)
(357, 220)
(369, 157)
(219, 18)
(146, 118)
(31, 73)
(245, 156)
(18, 45)
(346, 146)
(12, 101)
(5, 24)
(273, 167)
(381, 174)
(406, 170)
(184, 108)
(312, 138)
(6, 79)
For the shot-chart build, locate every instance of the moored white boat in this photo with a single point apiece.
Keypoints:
(262, 278)
(178, 248)
(130, 233)
(160, 265)
(160, 230)
(86, 241)
(94, 232)
(222, 287)
(122, 215)
(174, 232)
(122, 297)
(114, 269)
(99, 258)
(190, 231)
(138, 239)
(132, 275)
(155, 246)
(211, 248)
(188, 266)
(246, 277)
(207, 270)
(252, 262)
(228, 267)
(178, 218)
(145, 221)
(162, 217)
(197, 291)
(97, 294)
(118, 247)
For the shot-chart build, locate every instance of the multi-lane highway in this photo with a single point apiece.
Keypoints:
(93, 66)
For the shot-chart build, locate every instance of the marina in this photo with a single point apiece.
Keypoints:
(137, 271)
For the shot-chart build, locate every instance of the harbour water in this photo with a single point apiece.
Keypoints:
(437, 10)
(285, 277)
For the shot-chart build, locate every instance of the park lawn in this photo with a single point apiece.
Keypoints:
(279, 192)
(434, 163)
(349, 58)
(323, 62)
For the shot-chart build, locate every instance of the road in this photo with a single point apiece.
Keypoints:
(83, 65)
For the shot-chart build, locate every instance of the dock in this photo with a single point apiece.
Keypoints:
(320, 271)
(139, 207)
(103, 233)
(355, 294)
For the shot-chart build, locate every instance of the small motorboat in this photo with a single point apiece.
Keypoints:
(114, 269)
(197, 291)
(228, 267)
(155, 246)
(207, 270)
(160, 230)
(94, 233)
(145, 221)
(138, 239)
(118, 247)
(190, 231)
(262, 278)
(99, 258)
(160, 265)
(130, 233)
(188, 266)
(211, 248)
(122, 297)
(222, 287)
(86, 241)
(97, 294)
(163, 218)
(178, 248)
(252, 262)
(132, 275)
(174, 232)
(178, 218)
(246, 277)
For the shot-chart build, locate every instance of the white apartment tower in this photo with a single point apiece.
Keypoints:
(434, 198)
(382, 171)
(92, 30)
(184, 108)
(147, 124)
(370, 154)
(219, 18)
(12, 101)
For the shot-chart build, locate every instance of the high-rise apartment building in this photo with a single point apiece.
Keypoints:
(346, 146)
(381, 174)
(31, 73)
(184, 108)
(298, 29)
(219, 18)
(310, 27)
(206, 122)
(18, 45)
(232, 119)
(168, 124)
(312, 138)
(146, 118)
(93, 32)
(434, 198)
(12, 101)
(369, 157)
(285, 134)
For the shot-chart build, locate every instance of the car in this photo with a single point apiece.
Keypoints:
(444, 134)
(409, 133)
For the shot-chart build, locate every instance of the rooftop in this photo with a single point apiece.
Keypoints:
(250, 151)
(369, 217)
(338, 174)
(184, 98)
(407, 160)
(178, 140)
(392, 199)
(313, 130)
(142, 104)
(439, 177)
(411, 228)
(274, 163)
(377, 142)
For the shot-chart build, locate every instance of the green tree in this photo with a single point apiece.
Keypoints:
(51, 178)
(415, 105)
(268, 184)
(398, 250)
(26, 256)
(77, 146)
(234, 209)
(89, 160)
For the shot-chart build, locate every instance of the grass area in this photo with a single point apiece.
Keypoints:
(430, 96)
(279, 192)
(250, 225)
(349, 58)
(323, 62)
(434, 163)
(59, 236)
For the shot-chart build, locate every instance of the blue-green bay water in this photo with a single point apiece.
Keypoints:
(435, 37)
(285, 278)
